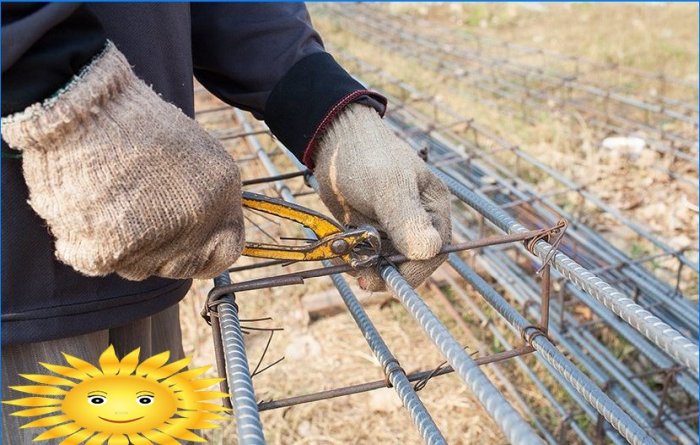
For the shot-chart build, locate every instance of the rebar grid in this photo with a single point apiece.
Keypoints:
(621, 424)
(608, 409)
(688, 383)
(641, 411)
(691, 384)
(594, 395)
(626, 265)
(582, 66)
(455, 61)
(514, 426)
(518, 97)
(525, 196)
(503, 146)
(517, 430)
(573, 338)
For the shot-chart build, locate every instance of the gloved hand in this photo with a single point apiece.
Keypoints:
(367, 175)
(125, 181)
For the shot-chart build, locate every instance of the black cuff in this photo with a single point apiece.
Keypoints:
(307, 99)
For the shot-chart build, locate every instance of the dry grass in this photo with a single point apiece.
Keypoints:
(661, 37)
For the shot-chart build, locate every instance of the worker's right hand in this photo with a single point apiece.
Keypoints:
(125, 181)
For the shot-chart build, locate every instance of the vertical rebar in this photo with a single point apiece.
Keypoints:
(245, 406)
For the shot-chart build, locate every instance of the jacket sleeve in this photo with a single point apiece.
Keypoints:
(268, 59)
(43, 46)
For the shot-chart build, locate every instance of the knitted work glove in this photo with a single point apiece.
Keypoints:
(367, 175)
(125, 181)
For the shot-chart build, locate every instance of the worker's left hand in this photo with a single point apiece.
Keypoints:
(367, 175)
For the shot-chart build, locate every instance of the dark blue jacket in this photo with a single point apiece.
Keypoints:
(262, 57)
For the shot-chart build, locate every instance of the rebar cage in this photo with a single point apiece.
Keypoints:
(484, 173)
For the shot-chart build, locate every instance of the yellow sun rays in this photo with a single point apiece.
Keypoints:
(193, 409)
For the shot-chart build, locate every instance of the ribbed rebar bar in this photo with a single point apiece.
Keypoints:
(420, 416)
(661, 334)
(517, 431)
(245, 407)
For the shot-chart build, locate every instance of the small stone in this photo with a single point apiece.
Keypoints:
(384, 401)
(302, 347)
(304, 428)
(630, 147)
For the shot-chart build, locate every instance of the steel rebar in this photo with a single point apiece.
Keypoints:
(245, 407)
(620, 420)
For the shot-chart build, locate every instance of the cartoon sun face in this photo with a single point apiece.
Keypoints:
(120, 402)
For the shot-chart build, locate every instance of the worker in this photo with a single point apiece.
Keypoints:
(114, 198)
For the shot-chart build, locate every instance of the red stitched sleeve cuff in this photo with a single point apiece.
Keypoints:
(307, 156)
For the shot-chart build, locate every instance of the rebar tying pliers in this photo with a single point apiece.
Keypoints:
(358, 247)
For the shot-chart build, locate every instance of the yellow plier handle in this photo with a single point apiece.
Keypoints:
(334, 241)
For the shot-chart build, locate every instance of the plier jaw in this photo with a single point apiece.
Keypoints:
(359, 247)
(365, 251)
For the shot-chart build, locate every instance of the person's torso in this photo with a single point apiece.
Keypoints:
(43, 298)
(156, 40)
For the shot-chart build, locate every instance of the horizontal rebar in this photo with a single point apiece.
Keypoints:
(330, 269)
(378, 384)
